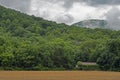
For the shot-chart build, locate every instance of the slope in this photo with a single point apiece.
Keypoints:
(32, 43)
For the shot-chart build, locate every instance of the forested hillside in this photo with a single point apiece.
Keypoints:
(32, 43)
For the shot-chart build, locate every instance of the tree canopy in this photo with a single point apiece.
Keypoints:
(32, 43)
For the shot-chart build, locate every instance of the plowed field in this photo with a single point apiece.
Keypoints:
(59, 75)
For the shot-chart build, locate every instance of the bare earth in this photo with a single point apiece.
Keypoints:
(59, 75)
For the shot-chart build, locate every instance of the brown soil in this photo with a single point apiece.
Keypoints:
(59, 75)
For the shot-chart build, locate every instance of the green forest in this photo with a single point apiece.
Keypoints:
(32, 43)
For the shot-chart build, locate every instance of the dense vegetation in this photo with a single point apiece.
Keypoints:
(32, 43)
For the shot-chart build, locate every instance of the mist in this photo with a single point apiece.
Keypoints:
(113, 18)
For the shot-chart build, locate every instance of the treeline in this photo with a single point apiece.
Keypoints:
(32, 43)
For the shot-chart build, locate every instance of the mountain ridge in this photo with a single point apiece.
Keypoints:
(92, 23)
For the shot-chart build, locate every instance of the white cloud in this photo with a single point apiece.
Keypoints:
(113, 18)
(56, 12)
(81, 11)
(46, 10)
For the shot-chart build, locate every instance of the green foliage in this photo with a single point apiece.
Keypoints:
(32, 43)
(6, 59)
(110, 60)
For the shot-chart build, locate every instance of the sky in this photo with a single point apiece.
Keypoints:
(69, 11)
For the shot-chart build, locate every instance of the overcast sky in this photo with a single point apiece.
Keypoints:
(69, 11)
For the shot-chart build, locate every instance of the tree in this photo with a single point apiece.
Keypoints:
(6, 60)
(110, 59)
(105, 61)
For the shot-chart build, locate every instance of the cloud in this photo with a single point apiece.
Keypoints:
(96, 2)
(69, 3)
(57, 12)
(113, 18)
(65, 18)
(21, 5)
(49, 10)
(65, 3)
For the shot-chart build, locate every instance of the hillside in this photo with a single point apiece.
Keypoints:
(92, 23)
(32, 43)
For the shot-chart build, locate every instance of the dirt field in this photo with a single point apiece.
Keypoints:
(59, 75)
